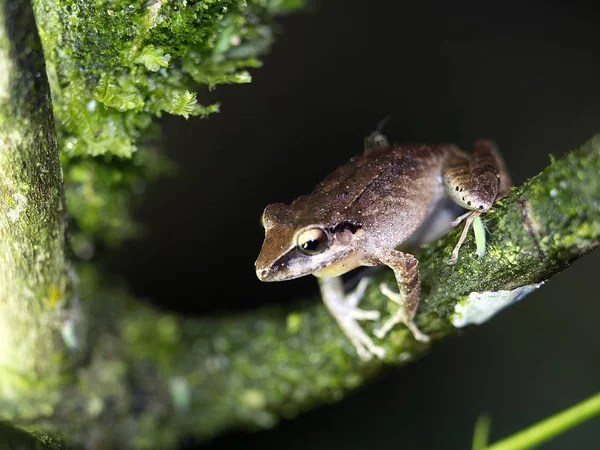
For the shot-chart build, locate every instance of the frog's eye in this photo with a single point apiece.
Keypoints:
(313, 241)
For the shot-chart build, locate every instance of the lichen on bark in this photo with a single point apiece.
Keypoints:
(38, 302)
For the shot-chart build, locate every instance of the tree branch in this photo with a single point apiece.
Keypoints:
(164, 376)
(37, 297)
(252, 369)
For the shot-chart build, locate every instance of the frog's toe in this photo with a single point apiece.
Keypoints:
(396, 297)
(361, 314)
(378, 351)
(362, 352)
(381, 332)
(418, 334)
(353, 298)
(451, 261)
(366, 348)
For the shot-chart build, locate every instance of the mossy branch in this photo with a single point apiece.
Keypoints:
(154, 377)
(38, 300)
(252, 369)
(13, 438)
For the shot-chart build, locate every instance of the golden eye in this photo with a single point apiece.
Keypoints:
(313, 241)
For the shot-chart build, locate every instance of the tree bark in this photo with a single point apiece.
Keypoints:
(39, 313)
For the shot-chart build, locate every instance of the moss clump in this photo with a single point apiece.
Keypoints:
(114, 65)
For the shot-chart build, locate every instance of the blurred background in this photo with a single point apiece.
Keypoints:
(526, 74)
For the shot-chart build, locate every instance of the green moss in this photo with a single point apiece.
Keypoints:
(115, 65)
(48, 441)
(15, 438)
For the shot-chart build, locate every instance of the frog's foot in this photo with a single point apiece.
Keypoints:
(377, 139)
(364, 345)
(347, 314)
(400, 316)
(470, 216)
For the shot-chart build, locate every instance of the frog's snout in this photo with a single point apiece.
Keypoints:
(270, 272)
(262, 274)
(264, 271)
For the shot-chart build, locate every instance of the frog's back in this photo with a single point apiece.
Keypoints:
(385, 188)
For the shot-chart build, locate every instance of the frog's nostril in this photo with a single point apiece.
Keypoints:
(262, 273)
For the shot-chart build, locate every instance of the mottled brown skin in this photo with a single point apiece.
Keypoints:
(366, 209)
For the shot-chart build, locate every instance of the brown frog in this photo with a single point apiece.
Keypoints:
(361, 213)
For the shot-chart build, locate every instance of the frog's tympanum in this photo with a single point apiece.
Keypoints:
(361, 213)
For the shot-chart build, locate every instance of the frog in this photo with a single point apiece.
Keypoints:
(364, 212)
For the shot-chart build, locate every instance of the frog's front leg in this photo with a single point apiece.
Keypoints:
(346, 313)
(475, 183)
(406, 270)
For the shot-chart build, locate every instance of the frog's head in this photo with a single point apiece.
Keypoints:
(291, 250)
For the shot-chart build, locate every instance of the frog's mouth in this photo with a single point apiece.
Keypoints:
(295, 264)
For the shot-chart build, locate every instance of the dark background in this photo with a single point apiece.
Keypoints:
(526, 75)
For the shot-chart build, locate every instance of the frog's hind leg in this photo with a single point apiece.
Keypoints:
(475, 183)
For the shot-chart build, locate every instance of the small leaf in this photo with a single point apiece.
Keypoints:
(153, 58)
(122, 96)
(105, 90)
(182, 104)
